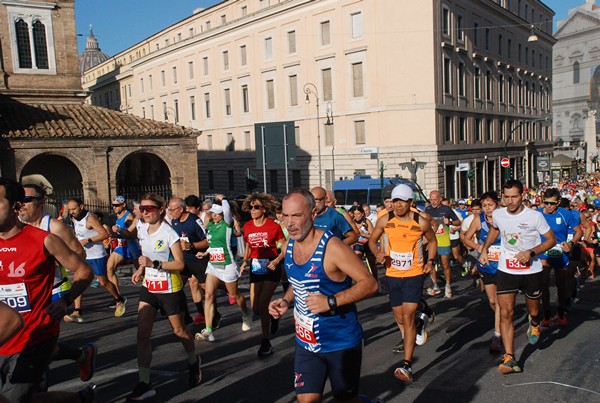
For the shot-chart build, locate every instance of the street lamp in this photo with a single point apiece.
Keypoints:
(310, 88)
(166, 112)
(506, 170)
(329, 122)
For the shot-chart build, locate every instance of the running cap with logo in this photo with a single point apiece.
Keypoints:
(216, 209)
(119, 199)
(402, 192)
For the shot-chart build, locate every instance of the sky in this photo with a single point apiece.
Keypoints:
(119, 24)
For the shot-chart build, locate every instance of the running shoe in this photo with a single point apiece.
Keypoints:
(434, 290)
(217, 320)
(421, 321)
(88, 365)
(74, 317)
(404, 372)
(246, 322)
(509, 365)
(465, 269)
(448, 291)
(95, 283)
(142, 391)
(199, 319)
(274, 325)
(265, 348)
(86, 395)
(398, 348)
(495, 344)
(232, 301)
(561, 319)
(120, 308)
(533, 332)
(205, 334)
(195, 373)
(112, 305)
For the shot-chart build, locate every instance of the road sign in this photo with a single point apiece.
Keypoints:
(505, 162)
(462, 167)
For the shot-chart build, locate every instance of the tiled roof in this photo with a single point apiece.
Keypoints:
(21, 121)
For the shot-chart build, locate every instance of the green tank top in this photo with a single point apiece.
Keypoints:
(219, 242)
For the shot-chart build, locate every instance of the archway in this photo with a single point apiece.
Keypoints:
(141, 173)
(62, 174)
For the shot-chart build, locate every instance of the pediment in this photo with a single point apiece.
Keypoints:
(578, 22)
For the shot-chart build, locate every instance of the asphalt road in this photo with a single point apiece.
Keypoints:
(453, 366)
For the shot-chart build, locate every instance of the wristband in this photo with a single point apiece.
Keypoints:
(431, 260)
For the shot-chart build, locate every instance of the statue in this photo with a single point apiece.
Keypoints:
(413, 166)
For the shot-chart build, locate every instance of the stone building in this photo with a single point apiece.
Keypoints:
(454, 84)
(47, 129)
(576, 77)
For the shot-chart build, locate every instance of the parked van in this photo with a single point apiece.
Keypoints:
(365, 189)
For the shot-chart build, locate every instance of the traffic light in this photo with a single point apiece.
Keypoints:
(251, 182)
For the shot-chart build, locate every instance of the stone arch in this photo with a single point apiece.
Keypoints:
(141, 172)
(59, 170)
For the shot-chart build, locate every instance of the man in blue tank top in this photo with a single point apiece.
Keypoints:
(321, 269)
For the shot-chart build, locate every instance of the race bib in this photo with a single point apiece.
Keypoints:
(15, 296)
(514, 264)
(217, 255)
(494, 253)
(440, 229)
(156, 280)
(304, 328)
(401, 261)
(556, 251)
(259, 266)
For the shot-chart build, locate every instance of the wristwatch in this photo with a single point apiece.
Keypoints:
(156, 264)
(431, 260)
(332, 302)
(531, 253)
(90, 240)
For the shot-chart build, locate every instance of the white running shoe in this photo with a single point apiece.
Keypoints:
(247, 322)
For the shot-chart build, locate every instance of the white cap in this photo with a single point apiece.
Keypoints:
(402, 192)
(462, 201)
(216, 209)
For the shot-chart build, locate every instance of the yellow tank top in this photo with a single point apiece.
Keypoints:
(405, 247)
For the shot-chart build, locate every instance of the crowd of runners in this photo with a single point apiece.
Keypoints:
(325, 257)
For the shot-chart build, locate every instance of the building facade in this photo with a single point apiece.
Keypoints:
(576, 77)
(443, 82)
(47, 129)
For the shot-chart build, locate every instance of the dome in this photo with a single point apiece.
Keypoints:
(92, 55)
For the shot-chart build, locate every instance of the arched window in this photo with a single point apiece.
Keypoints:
(576, 73)
(23, 45)
(40, 46)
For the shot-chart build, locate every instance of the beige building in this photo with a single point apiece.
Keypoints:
(439, 81)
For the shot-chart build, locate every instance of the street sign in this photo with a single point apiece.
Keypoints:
(369, 150)
(462, 167)
(505, 162)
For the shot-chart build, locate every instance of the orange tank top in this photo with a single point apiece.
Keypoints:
(405, 247)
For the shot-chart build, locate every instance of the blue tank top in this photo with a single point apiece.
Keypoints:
(576, 222)
(326, 332)
(493, 251)
(560, 222)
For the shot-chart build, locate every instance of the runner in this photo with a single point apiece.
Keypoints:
(519, 267)
(328, 219)
(405, 266)
(162, 289)
(321, 270)
(122, 251)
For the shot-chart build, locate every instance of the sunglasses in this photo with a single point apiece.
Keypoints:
(552, 203)
(256, 207)
(149, 209)
(29, 199)
(117, 205)
(320, 199)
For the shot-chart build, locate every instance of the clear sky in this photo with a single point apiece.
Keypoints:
(119, 24)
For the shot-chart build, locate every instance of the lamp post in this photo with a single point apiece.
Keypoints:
(329, 122)
(506, 170)
(166, 112)
(310, 88)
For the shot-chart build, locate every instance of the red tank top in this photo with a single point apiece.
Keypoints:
(26, 277)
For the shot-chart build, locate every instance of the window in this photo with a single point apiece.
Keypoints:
(293, 79)
(230, 143)
(477, 130)
(244, 10)
(576, 73)
(32, 38)
(487, 39)
(174, 75)
(488, 86)
(532, 57)
(520, 92)
(208, 25)
(270, 94)
(460, 30)
(223, 19)
(162, 78)
(445, 21)
(462, 129)
(205, 65)
(165, 115)
(191, 32)
(141, 85)
(207, 104)
(461, 79)
(501, 126)
(143, 112)
(227, 97)
(511, 92)
(245, 99)
(519, 51)
(327, 90)
(243, 56)
(359, 131)
(230, 181)
(526, 55)
(268, 48)
(325, 33)
(247, 140)
(509, 48)
(500, 39)
(329, 135)
(490, 132)
(23, 45)
(193, 107)
(448, 135)
(477, 84)
(501, 88)
(475, 34)
(176, 107)
(152, 112)
(179, 37)
(291, 35)
(357, 25)
(150, 81)
(191, 70)
(447, 81)
(39, 45)
(357, 80)
(226, 60)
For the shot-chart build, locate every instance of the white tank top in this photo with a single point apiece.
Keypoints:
(93, 250)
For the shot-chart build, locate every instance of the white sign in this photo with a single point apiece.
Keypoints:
(369, 150)
(462, 167)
